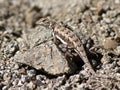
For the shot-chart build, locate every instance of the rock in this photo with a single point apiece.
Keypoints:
(40, 80)
(31, 85)
(42, 58)
(22, 71)
(15, 82)
(59, 81)
(110, 43)
(31, 73)
(44, 54)
(16, 67)
(105, 59)
(118, 63)
(118, 50)
(6, 77)
(5, 88)
(19, 83)
(24, 78)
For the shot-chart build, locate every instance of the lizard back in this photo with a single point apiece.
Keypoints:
(68, 37)
(71, 38)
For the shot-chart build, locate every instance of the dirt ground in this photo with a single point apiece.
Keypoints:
(30, 59)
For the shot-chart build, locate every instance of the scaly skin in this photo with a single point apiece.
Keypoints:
(67, 37)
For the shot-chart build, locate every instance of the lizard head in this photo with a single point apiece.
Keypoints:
(46, 22)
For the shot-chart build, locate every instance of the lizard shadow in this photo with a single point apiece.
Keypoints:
(73, 58)
(94, 59)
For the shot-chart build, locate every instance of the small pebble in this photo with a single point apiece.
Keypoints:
(107, 20)
(24, 78)
(110, 43)
(22, 71)
(118, 63)
(1, 73)
(117, 1)
(105, 59)
(16, 66)
(6, 76)
(31, 85)
(5, 88)
(81, 86)
(31, 73)
(39, 83)
(15, 82)
(20, 83)
(118, 50)
(2, 67)
(41, 78)
(118, 76)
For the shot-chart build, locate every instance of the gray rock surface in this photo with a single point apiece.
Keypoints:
(44, 55)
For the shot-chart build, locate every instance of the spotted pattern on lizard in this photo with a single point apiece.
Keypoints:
(68, 37)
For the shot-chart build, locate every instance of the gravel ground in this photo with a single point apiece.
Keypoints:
(30, 60)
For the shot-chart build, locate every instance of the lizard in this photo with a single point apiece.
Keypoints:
(67, 37)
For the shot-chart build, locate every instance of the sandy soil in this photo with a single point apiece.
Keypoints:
(30, 60)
